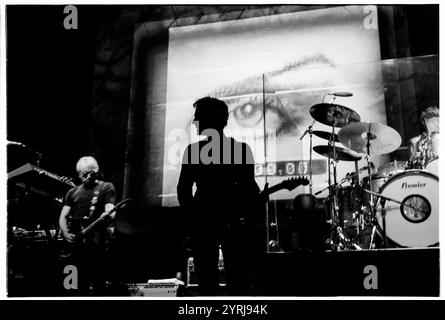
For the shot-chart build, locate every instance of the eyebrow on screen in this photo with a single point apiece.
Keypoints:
(247, 87)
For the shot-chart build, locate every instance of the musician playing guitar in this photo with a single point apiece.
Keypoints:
(84, 204)
(226, 200)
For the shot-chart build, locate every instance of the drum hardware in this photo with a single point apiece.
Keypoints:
(334, 116)
(370, 138)
(310, 131)
(349, 176)
(378, 195)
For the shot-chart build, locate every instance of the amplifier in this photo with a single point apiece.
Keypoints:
(156, 288)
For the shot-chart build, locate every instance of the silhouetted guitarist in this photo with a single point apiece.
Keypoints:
(227, 197)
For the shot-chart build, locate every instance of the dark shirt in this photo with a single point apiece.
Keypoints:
(80, 198)
(223, 189)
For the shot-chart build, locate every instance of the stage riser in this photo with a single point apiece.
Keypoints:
(402, 272)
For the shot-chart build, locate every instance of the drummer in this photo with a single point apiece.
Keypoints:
(425, 147)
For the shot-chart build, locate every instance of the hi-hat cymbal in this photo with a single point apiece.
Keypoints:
(333, 114)
(382, 138)
(326, 135)
(341, 153)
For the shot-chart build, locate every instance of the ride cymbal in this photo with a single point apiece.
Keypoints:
(382, 138)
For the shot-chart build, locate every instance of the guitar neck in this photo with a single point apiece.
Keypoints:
(273, 189)
(289, 184)
(91, 226)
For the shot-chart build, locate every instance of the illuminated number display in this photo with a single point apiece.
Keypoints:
(271, 168)
(291, 168)
(303, 167)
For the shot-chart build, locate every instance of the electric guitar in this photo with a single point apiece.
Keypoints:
(85, 230)
(242, 211)
(289, 184)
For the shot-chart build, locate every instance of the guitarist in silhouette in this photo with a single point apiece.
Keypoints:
(84, 204)
(217, 214)
(222, 211)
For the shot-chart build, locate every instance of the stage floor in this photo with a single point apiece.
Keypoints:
(385, 272)
(382, 272)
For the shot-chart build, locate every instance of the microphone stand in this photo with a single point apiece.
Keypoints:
(274, 244)
(310, 131)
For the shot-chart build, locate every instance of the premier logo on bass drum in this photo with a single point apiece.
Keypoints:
(406, 185)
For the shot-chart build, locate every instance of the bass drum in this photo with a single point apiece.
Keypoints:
(418, 224)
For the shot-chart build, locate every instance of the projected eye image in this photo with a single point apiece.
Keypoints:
(283, 116)
(270, 71)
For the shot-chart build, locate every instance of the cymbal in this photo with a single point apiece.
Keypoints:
(326, 135)
(343, 154)
(333, 114)
(382, 138)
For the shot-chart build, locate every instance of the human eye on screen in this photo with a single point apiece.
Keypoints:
(248, 113)
(296, 86)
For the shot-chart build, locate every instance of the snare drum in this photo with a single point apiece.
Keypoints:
(417, 225)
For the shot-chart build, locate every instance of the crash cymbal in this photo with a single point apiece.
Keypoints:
(342, 153)
(382, 138)
(326, 135)
(334, 114)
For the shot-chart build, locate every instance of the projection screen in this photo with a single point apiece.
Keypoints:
(284, 63)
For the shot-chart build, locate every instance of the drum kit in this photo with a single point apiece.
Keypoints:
(397, 201)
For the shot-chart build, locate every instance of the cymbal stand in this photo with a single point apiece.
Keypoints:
(373, 207)
(359, 215)
(337, 239)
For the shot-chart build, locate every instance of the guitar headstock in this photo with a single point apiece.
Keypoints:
(291, 183)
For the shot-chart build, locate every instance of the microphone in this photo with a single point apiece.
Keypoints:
(308, 129)
(88, 176)
(15, 143)
(342, 94)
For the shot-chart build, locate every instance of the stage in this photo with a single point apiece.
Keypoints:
(385, 272)
(313, 127)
